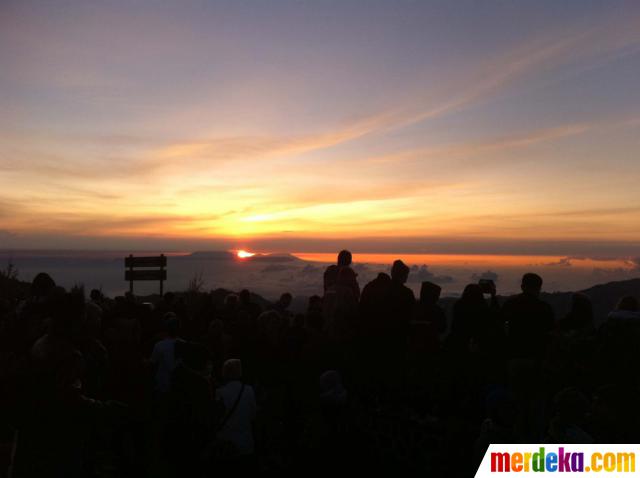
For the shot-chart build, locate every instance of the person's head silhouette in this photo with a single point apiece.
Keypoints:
(285, 300)
(42, 285)
(429, 293)
(231, 301)
(581, 305)
(531, 284)
(344, 258)
(473, 294)
(232, 370)
(628, 303)
(400, 272)
(169, 297)
(245, 297)
(172, 324)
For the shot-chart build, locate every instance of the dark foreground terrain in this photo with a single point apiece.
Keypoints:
(203, 384)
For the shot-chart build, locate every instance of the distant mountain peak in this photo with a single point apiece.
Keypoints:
(230, 255)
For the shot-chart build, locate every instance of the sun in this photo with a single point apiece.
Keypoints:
(244, 254)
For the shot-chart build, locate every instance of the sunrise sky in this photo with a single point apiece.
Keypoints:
(483, 127)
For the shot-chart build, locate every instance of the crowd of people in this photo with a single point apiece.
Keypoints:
(367, 379)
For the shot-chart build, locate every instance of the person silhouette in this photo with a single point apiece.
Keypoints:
(427, 321)
(470, 318)
(247, 305)
(341, 274)
(163, 356)
(372, 308)
(627, 310)
(580, 316)
(528, 320)
(239, 403)
(401, 298)
(387, 304)
(427, 308)
(340, 301)
(53, 422)
(476, 323)
(282, 305)
(397, 308)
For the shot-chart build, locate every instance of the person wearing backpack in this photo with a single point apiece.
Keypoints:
(234, 435)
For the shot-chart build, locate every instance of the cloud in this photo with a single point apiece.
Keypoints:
(422, 273)
(472, 86)
(271, 268)
(488, 78)
(546, 52)
(612, 211)
(361, 268)
(103, 223)
(260, 147)
(635, 264)
(310, 270)
(607, 273)
(487, 275)
(562, 262)
(466, 149)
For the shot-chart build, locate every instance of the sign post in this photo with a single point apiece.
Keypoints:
(147, 271)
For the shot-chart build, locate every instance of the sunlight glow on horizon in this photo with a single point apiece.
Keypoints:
(244, 254)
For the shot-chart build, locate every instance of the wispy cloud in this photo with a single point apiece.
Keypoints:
(460, 149)
(488, 79)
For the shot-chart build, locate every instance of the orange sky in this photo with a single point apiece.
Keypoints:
(226, 125)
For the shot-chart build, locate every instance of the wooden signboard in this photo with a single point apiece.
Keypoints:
(153, 269)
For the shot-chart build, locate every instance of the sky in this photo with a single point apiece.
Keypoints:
(491, 127)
